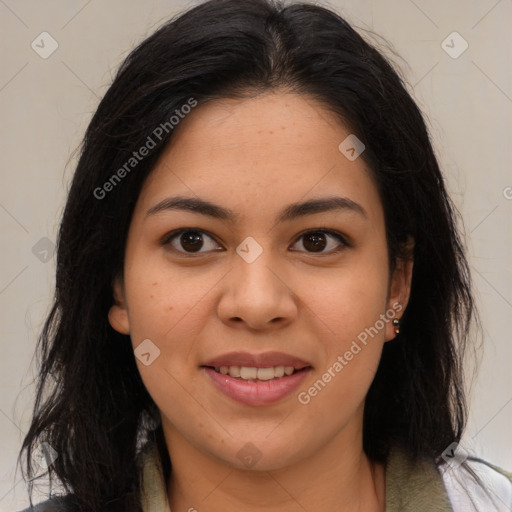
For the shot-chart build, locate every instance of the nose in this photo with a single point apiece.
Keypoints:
(257, 295)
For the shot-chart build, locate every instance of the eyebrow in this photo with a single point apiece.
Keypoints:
(292, 211)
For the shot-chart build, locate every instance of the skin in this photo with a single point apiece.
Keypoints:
(255, 156)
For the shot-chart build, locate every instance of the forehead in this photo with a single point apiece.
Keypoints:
(264, 150)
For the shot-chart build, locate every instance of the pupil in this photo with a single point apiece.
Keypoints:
(315, 242)
(191, 240)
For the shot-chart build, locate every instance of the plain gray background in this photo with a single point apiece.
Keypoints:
(46, 104)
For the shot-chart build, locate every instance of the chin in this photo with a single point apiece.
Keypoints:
(253, 454)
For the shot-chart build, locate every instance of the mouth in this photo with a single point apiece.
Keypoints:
(256, 379)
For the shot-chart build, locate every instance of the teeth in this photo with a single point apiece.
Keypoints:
(279, 371)
(248, 373)
(265, 373)
(251, 373)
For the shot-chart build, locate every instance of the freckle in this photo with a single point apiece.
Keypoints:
(155, 283)
(271, 132)
(283, 127)
(170, 308)
(151, 296)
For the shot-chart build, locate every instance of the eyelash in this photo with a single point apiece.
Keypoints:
(169, 237)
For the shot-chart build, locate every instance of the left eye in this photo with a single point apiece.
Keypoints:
(189, 239)
(317, 241)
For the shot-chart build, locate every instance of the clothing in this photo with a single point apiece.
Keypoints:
(420, 487)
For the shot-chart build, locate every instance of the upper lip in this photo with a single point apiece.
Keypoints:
(262, 360)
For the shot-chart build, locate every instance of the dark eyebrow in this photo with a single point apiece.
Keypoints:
(321, 205)
(292, 211)
(195, 205)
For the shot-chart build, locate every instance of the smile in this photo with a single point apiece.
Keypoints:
(256, 386)
(251, 373)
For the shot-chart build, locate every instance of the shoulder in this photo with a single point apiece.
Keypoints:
(55, 504)
(67, 503)
(492, 494)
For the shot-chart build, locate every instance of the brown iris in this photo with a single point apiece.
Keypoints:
(314, 242)
(191, 241)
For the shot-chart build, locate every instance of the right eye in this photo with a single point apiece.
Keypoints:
(190, 241)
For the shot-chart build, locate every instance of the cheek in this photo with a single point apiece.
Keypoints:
(350, 299)
(350, 311)
(168, 310)
(164, 300)
(170, 307)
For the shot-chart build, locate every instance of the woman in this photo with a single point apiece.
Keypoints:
(262, 299)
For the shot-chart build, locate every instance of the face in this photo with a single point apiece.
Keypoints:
(223, 300)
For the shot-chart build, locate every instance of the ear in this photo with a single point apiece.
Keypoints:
(118, 313)
(400, 285)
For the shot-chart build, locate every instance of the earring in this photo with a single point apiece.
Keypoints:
(396, 324)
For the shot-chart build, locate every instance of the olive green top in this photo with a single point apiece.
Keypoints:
(409, 487)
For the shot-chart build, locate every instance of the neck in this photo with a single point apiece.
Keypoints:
(324, 481)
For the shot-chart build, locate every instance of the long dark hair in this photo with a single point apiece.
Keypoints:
(91, 406)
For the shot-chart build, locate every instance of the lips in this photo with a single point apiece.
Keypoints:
(256, 379)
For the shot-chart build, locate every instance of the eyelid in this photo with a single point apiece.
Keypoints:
(166, 239)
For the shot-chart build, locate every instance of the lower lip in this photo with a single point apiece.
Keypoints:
(256, 393)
